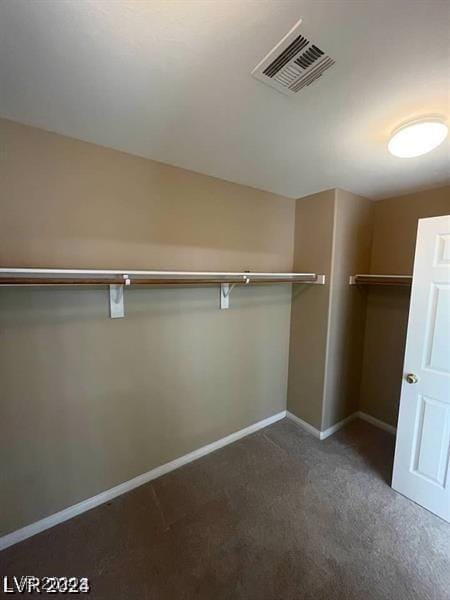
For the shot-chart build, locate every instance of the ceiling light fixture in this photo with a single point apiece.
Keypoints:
(417, 137)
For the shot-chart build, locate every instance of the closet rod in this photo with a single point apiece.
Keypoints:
(376, 279)
(175, 274)
(25, 276)
(18, 281)
(118, 280)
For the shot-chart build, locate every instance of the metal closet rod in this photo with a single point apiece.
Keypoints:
(31, 276)
(380, 279)
(118, 280)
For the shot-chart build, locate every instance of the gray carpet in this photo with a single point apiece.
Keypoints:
(276, 516)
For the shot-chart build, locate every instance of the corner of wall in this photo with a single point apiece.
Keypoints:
(352, 240)
(313, 251)
(393, 245)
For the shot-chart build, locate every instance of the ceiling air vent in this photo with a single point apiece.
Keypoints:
(294, 63)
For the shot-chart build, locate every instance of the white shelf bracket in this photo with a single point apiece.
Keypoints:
(225, 291)
(116, 306)
(116, 299)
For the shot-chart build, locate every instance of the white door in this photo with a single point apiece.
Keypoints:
(421, 464)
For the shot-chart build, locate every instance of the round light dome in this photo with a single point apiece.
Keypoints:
(418, 137)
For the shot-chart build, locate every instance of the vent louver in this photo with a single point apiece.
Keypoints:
(294, 63)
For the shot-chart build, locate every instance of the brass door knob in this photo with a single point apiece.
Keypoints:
(411, 378)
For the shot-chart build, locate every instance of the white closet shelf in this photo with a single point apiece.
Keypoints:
(12, 276)
(117, 279)
(375, 279)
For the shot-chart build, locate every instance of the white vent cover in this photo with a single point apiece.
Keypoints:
(294, 63)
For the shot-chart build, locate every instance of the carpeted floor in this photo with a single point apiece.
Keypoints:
(276, 516)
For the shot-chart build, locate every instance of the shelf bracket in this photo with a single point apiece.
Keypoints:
(116, 300)
(225, 291)
(116, 306)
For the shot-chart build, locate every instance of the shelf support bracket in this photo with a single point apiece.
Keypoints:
(225, 291)
(116, 306)
(116, 300)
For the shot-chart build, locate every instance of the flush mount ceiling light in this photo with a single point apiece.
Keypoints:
(417, 137)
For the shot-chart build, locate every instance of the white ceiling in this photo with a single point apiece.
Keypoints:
(170, 80)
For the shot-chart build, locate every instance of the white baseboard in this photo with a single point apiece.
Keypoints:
(309, 428)
(374, 421)
(327, 432)
(72, 511)
(321, 435)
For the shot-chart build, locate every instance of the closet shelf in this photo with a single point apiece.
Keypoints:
(11, 276)
(372, 279)
(117, 280)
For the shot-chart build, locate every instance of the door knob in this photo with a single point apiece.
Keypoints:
(411, 378)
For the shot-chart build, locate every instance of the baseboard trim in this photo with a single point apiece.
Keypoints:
(377, 422)
(321, 435)
(327, 432)
(304, 425)
(72, 511)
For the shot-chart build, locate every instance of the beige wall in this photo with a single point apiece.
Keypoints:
(86, 402)
(69, 203)
(333, 235)
(352, 242)
(395, 227)
(314, 220)
(347, 343)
